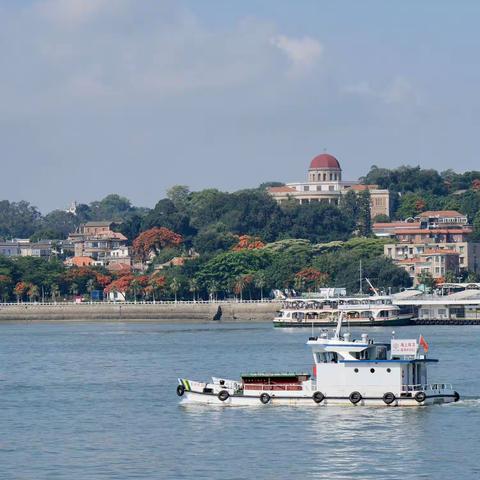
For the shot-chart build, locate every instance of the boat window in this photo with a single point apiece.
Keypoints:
(381, 353)
(327, 357)
(364, 355)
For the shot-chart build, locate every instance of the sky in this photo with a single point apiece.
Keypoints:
(135, 96)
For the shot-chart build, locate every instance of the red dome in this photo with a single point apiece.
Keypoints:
(325, 160)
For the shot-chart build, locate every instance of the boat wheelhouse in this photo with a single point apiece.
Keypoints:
(375, 310)
(346, 372)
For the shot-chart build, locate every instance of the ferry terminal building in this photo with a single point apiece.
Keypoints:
(324, 184)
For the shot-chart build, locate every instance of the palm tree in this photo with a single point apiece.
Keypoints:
(33, 292)
(90, 287)
(239, 286)
(193, 287)
(135, 286)
(260, 281)
(54, 292)
(175, 287)
(74, 289)
(299, 282)
(213, 289)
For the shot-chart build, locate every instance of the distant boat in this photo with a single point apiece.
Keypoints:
(377, 310)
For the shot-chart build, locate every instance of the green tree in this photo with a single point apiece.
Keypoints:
(349, 206)
(18, 219)
(193, 287)
(426, 279)
(112, 207)
(212, 288)
(260, 281)
(382, 218)
(214, 239)
(364, 216)
(6, 284)
(179, 196)
(225, 268)
(74, 289)
(165, 214)
(33, 292)
(175, 287)
(54, 292)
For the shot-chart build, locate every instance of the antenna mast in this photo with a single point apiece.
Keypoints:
(361, 278)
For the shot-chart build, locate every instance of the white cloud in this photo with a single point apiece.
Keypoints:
(131, 50)
(303, 53)
(71, 12)
(398, 91)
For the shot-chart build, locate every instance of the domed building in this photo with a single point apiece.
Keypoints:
(324, 167)
(324, 184)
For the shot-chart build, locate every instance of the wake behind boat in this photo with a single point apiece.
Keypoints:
(346, 372)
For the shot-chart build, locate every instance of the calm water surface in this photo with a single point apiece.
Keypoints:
(97, 401)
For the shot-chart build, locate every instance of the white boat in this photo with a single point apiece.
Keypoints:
(377, 310)
(346, 372)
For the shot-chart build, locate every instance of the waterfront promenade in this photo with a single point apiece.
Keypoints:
(181, 311)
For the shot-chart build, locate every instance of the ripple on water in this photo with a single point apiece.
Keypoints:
(97, 401)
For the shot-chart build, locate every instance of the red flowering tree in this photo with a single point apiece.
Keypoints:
(311, 278)
(154, 240)
(86, 279)
(156, 285)
(138, 284)
(20, 290)
(476, 184)
(120, 285)
(247, 242)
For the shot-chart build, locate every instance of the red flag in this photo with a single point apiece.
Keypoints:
(423, 343)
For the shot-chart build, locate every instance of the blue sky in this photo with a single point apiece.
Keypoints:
(134, 96)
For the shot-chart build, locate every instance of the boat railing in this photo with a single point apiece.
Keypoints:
(429, 386)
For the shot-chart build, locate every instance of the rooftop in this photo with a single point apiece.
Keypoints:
(441, 213)
(100, 223)
(282, 189)
(324, 161)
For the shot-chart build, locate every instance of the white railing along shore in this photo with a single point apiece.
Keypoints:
(120, 303)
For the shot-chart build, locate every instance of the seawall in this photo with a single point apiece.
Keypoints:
(159, 312)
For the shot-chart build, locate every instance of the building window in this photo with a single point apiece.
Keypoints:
(324, 177)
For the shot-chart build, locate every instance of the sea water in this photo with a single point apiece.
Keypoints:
(97, 401)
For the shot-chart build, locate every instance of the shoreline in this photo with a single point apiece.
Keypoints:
(130, 312)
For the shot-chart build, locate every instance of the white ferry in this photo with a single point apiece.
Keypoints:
(346, 371)
(375, 310)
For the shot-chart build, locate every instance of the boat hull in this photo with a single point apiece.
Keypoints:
(353, 323)
(191, 397)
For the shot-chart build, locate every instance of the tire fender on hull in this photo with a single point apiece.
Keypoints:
(180, 390)
(420, 397)
(318, 397)
(265, 398)
(223, 395)
(389, 398)
(355, 397)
